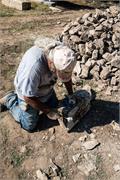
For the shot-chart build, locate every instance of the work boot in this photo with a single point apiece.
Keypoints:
(3, 101)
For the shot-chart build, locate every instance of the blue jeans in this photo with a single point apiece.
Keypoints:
(27, 118)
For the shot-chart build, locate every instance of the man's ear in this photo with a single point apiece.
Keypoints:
(51, 66)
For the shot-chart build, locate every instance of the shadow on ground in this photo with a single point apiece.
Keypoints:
(101, 113)
(71, 6)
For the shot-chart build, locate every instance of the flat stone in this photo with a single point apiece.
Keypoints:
(116, 167)
(76, 157)
(105, 73)
(74, 30)
(75, 39)
(115, 88)
(90, 63)
(116, 40)
(17, 4)
(99, 28)
(56, 178)
(85, 71)
(95, 54)
(115, 126)
(82, 49)
(115, 61)
(108, 91)
(90, 145)
(108, 56)
(85, 16)
(116, 27)
(113, 81)
(114, 10)
(77, 69)
(41, 175)
(83, 138)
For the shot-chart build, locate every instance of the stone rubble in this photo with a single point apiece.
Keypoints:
(95, 38)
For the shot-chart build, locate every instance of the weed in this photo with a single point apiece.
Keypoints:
(5, 11)
(22, 175)
(39, 7)
(16, 159)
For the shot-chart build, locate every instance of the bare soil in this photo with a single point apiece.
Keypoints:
(22, 153)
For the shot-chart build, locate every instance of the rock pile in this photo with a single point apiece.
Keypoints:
(95, 37)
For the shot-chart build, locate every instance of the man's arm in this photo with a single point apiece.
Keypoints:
(37, 104)
(68, 86)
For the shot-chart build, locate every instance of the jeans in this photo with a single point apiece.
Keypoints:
(28, 118)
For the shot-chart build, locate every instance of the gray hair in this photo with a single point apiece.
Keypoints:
(48, 45)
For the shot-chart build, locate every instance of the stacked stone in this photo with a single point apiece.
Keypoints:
(95, 37)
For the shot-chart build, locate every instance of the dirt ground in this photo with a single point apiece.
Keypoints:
(22, 153)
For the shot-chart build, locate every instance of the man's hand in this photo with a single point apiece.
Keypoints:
(53, 114)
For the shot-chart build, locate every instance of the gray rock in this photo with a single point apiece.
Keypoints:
(116, 27)
(90, 63)
(115, 126)
(99, 43)
(82, 49)
(85, 16)
(99, 13)
(115, 61)
(113, 81)
(95, 54)
(67, 28)
(92, 32)
(108, 91)
(89, 47)
(105, 73)
(74, 30)
(76, 157)
(116, 40)
(41, 175)
(101, 62)
(115, 88)
(95, 72)
(108, 56)
(85, 71)
(116, 167)
(84, 59)
(56, 178)
(77, 69)
(117, 74)
(87, 23)
(75, 39)
(90, 145)
(99, 28)
(114, 10)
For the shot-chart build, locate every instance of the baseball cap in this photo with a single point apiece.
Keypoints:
(64, 60)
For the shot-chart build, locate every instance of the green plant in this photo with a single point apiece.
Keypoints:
(16, 159)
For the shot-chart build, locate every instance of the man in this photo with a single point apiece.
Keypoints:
(34, 82)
